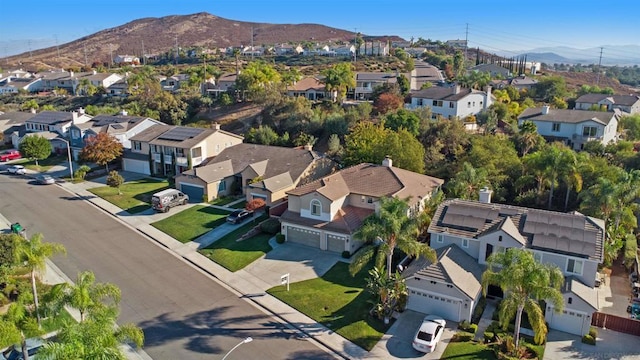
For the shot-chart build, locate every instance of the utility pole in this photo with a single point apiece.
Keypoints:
(85, 54)
(466, 44)
(599, 64)
(176, 59)
(143, 52)
(355, 45)
(30, 53)
(57, 46)
(252, 43)
(110, 52)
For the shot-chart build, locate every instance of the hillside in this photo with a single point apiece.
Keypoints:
(161, 34)
(576, 79)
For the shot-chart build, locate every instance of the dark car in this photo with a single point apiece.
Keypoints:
(238, 216)
(15, 352)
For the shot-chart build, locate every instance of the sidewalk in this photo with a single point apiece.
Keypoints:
(242, 282)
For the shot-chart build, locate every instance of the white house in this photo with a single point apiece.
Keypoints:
(11, 85)
(367, 81)
(451, 101)
(573, 127)
(626, 103)
(126, 59)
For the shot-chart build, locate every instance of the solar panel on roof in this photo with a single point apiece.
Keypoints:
(180, 134)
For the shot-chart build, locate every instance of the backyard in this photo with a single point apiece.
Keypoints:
(191, 223)
(135, 196)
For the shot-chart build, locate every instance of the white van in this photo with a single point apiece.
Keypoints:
(166, 199)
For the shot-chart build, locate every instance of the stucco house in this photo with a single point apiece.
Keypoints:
(56, 121)
(625, 103)
(573, 127)
(367, 81)
(12, 85)
(451, 101)
(165, 150)
(256, 171)
(571, 241)
(327, 212)
(311, 88)
(13, 123)
(492, 69)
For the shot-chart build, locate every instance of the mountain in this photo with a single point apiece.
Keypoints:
(159, 35)
(611, 55)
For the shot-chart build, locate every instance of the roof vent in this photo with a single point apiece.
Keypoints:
(545, 109)
(485, 195)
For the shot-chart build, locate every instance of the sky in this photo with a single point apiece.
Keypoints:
(493, 25)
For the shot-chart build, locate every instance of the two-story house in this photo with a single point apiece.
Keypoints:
(492, 69)
(256, 171)
(126, 59)
(122, 127)
(452, 101)
(11, 85)
(367, 81)
(465, 233)
(326, 213)
(12, 122)
(311, 88)
(573, 127)
(625, 103)
(425, 73)
(169, 150)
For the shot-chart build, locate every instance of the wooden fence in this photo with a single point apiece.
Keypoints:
(616, 323)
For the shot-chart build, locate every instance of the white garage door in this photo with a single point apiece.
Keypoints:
(428, 303)
(137, 166)
(568, 321)
(303, 236)
(336, 243)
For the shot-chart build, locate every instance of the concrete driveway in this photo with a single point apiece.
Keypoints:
(396, 343)
(609, 345)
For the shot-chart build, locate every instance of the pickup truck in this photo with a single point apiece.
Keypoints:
(10, 155)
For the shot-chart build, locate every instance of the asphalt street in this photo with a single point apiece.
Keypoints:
(184, 313)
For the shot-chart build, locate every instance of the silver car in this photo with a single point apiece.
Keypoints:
(45, 180)
(16, 169)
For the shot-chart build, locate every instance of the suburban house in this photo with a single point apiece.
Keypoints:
(288, 49)
(56, 121)
(257, 171)
(69, 81)
(367, 81)
(492, 69)
(377, 48)
(174, 83)
(122, 127)
(311, 88)
(415, 51)
(523, 82)
(625, 103)
(13, 122)
(425, 73)
(326, 213)
(224, 84)
(165, 150)
(11, 85)
(573, 127)
(451, 101)
(126, 59)
(465, 233)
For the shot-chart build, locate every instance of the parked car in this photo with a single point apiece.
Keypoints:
(16, 169)
(45, 179)
(10, 155)
(239, 215)
(429, 333)
(15, 352)
(166, 199)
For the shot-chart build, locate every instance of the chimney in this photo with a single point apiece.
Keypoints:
(95, 72)
(215, 126)
(545, 110)
(33, 110)
(387, 161)
(74, 117)
(124, 112)
(485, 195)
(70, 73)
(308, 147)
(81, 110)
(456, 88)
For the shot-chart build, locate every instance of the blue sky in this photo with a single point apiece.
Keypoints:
(493, 25)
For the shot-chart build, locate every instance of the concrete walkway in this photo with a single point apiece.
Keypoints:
(485, 319)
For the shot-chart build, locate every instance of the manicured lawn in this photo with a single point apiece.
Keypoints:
(221, 201)
(136, 195)
(239, 205)
(467, 351)
(43, 165)
(338, 301)
(188, 224)
(235, 255)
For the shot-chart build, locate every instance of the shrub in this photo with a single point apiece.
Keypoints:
(489, 336)
(593, 332)
(462, 336)
(473, 328)
(280, 238)
(463, 325)
(255, 204)
(588, 339)
(346, 254)
(479, 310)
(270, 226)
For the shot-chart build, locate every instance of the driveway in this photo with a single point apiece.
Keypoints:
(396, 343)
(609, 345)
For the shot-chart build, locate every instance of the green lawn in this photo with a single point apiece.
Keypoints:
(235, 255)
(136, 195)
(188, 224)
(468, 351)
(239, 205)
(221, 201)
(338, 301)
(43, 165)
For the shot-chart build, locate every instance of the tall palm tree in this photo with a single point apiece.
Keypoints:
(467, 182)
(33, 253)
(524, 282)
(534, 163)
(571, 174)
(394, 228)
(553, 162)
(338, 79)
(528, 137)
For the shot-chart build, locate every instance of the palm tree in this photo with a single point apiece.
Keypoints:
(34, 254)
(534, 164)
(338, 79)
(528, 137)
(524, 282)
(86, 295)
(571, 174)
(553, 162)
(395, 228)
(467, 182)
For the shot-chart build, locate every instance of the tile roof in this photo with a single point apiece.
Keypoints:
(588, 294)
(16, 117)
(523, 81)
(454, 267)
(627, 100)
(372, 180)
(564, 233)
(567, 116)
(374, 76)
(308, 83)
(447, 93)
(347, 220)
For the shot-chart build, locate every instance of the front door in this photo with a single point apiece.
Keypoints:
(488, 252)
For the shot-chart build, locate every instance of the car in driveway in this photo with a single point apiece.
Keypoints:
(45, 179)
(239, 216)
(10, 155)
(429, 333)
(16, 169)
(15, 352)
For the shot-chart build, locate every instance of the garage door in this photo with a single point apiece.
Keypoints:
(195, 192)
(568, 321)
(428, 303)
(336, 243)
(137, 166)
(303, 236)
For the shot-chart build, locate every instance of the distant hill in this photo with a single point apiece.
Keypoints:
(161, 34)
(611, 55)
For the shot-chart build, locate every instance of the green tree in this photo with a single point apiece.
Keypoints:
(387, 102)
(34, 254)
(257, 77)
(101, 149)
(30, 104)
(527, 137)
(334, 145)
(115, 180)
(524, 282)
(388, 291)
(551, 87)
(631, 126)
(264, 135)
(468, 182)
(403, 119)
(396, 228)
(35, 147)
(338, 79)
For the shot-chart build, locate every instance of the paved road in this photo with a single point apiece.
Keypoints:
(184, 313)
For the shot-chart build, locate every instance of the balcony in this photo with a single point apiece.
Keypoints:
(168, 159)
(182, 161)
(364, 89)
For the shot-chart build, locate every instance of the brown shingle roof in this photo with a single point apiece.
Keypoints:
(627, 100)
(567, 116)
(308, 83)
(441, 93)
(346, 221)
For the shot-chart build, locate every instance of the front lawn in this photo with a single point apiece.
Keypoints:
(44, 165)
(188, 224)
(468, 351)
(235, 255)
(239, 205)
(338, 301)
(136, 195)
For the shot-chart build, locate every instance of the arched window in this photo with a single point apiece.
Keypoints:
(316, 207)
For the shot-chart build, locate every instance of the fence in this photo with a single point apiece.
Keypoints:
(616, 323)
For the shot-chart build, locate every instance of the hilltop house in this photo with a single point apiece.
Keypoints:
(326, 213)
(573, 127)
(629, 104)
(69, 81)
(367, 81)
(256, 171)
(452, 101)
(492, 69)
(465, 233)
(310, 88)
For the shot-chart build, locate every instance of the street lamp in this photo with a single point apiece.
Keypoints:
(69, 157)
(247, 340)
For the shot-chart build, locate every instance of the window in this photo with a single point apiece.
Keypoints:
(437, 103)
(168, 151)
(75, 133)
(555, 127)
(469, 104)
(465, 243)
(439, 238)
(419, 102)
(537, 256)
(197, 152)
(316, 207)
(222, 186)
(590, 131)
(451, 104)
(574, 266)
(570, 300)
(369, 200)
(137, 145)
